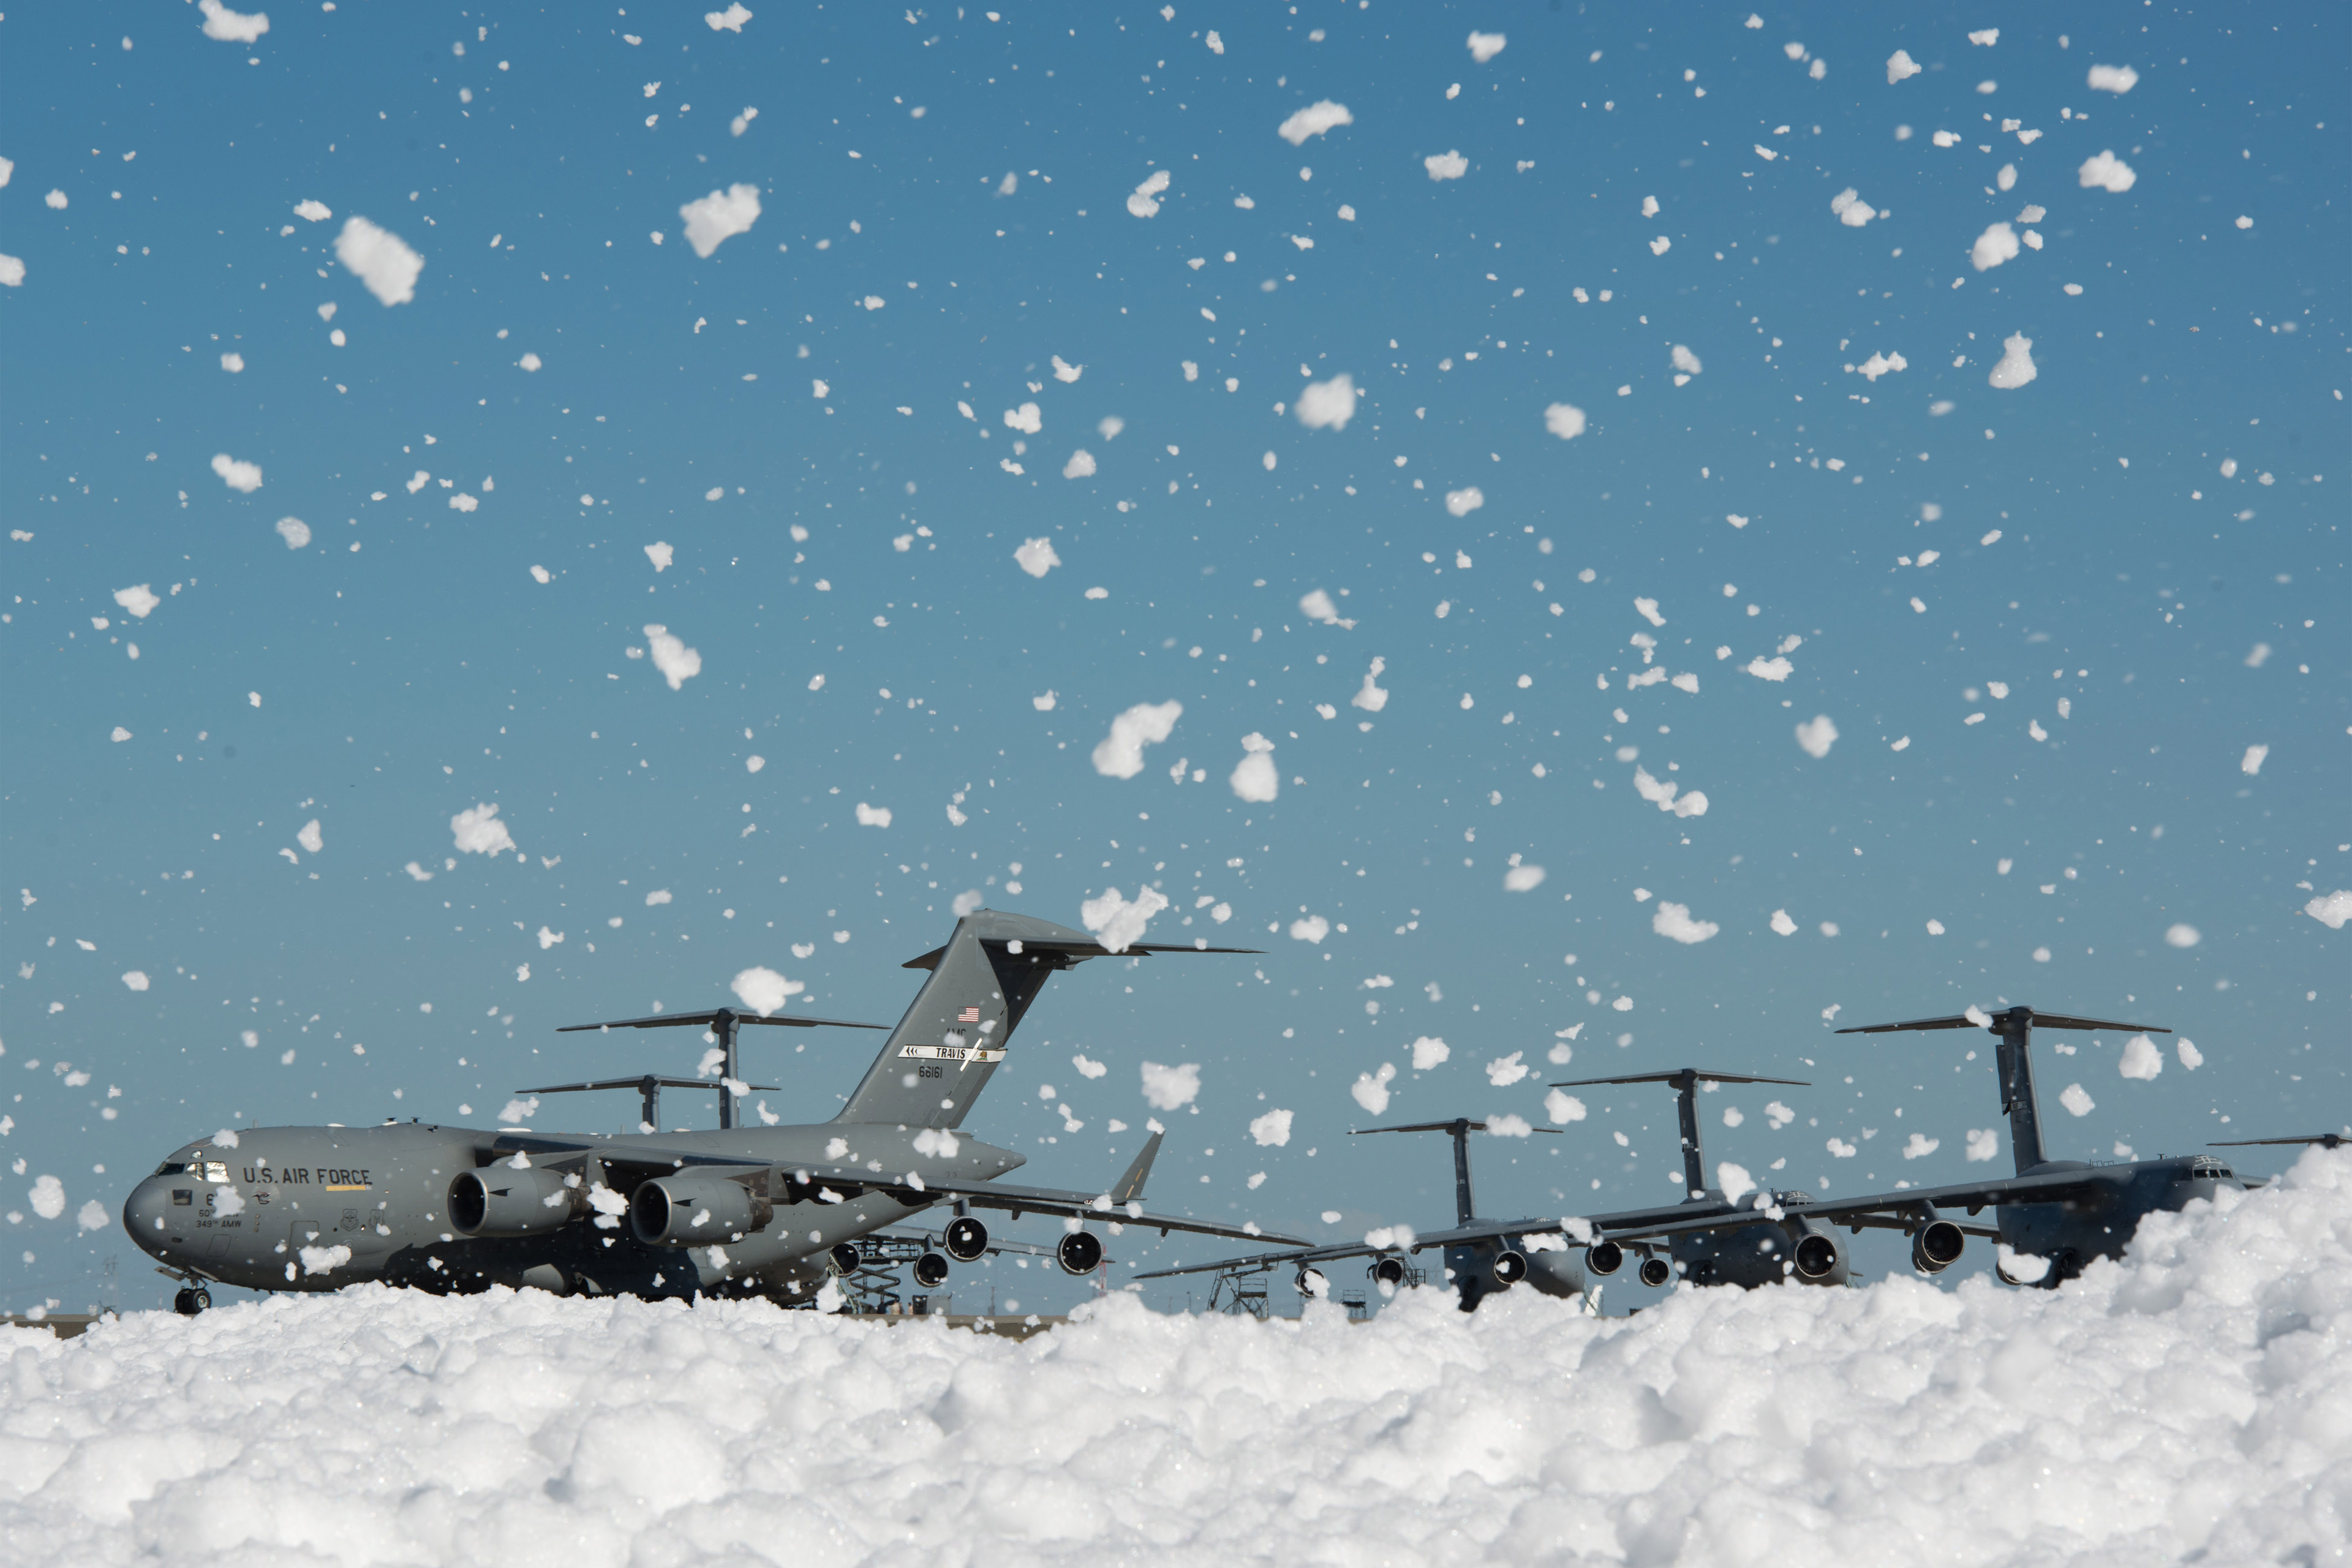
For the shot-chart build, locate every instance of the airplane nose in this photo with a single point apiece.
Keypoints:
(146, 1215)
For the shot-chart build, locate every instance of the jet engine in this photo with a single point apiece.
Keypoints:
(694, 1211)
(843, 1258)
(1388, 1271)
(1818, 1256)
(930, 1270)
(965, 1239)
(1655, 1271)
(1935, 1247)
(1079, 1252)
(498, 1202)
(1604, 1258)
(1509, 1267)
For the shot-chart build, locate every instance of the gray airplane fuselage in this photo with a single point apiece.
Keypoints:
(277, 1210)
(1770, 1252)
(2069, 1235)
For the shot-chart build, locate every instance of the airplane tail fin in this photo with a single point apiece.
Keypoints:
(954, 1033)
(1129, 1187)
(2014, 1059)
(1686, 1082)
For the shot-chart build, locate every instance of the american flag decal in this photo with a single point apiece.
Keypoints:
(968, 1016)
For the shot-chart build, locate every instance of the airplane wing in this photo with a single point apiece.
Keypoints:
(1671, 1220)
(911, 1187)
(1069, 1205)
(1883, 1209)
(1486, 1230)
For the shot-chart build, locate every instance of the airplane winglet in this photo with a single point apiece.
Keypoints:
(1129, 1187)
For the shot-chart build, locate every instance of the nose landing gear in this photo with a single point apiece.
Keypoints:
(191, 1300)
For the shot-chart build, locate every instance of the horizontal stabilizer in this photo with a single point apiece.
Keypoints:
(1438, 1127)
(639, 1084)
(1992, 1022)
(676, 1020)
(1695, 1074)
(1079, 951)
(2325, 1140)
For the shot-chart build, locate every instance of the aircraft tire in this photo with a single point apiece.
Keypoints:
(189, 1302)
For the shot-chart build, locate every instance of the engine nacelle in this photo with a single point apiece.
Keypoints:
(1509, 1267)
(1388, 1271)
(930, 1270)
(1604, 1258)
(844, 1259)
(1079, 1252)
(694, 1211)
(1656, 1272)
(1817, 1256)
(1937, 1245)
(965, 1239)
(498, 1202)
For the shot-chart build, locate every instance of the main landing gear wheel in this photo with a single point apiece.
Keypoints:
(190, 1301)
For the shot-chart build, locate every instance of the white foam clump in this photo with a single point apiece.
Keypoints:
(719, 216)
(1326, 404)
(1564, 420)
(1851, 209)
(2331, 909)
(1143, 201)
(1901, 67)
(2112, 78)
(1170, 1087)
(1273, 1130)
(1118, 923)
(294, 532)
(1448, 165)
(1036, 556)
(2178, 1404)
(676, 662)
(1674, 922)
(1485, 47)
(2016, 367)
(1667, 796)
(1120, 754)
(1255, 777)
(1314, 120)
(479, 832)
(238, 474)
(2141, 1059)
(381, 260)
(2106, 172)
(761, 989)
(224, 26)
(1996, 245)
(1465, 501)
(1817, 735)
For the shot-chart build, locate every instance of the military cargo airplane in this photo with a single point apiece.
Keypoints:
(1715, 1239)
(737, 1212)
(2055, 1216)
(1481, 1256)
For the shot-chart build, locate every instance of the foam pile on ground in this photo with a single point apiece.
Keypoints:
(2195, 1403)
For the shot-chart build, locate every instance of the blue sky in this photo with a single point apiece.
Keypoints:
(2136, 575)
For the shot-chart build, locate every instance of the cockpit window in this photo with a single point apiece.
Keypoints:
(171, 1168)
(215, 1170)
